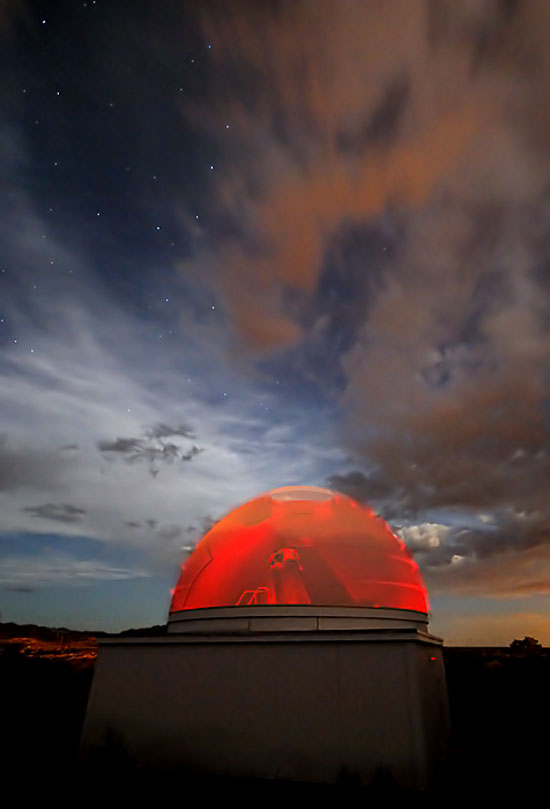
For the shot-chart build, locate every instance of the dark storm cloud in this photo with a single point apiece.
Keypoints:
(503, 534)
(59, 512)
(511, 574)
(506, 533)
(368, 489)
(153, 448)
(510, 532)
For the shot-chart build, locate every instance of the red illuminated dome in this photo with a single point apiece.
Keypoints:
(300, 545)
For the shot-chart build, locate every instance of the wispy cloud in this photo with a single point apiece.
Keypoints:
(58, 512)
(23, 574)
(97, 389)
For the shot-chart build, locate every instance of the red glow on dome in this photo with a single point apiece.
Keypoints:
(300, 545)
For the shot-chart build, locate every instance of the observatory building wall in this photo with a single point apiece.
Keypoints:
(290, 706)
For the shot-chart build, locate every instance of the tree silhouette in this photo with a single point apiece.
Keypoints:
(528, 645)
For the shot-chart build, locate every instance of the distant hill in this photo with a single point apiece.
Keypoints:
(45, 633)
(10, 630)
(158, 629)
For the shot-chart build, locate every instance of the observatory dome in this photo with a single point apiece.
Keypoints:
(300, 545)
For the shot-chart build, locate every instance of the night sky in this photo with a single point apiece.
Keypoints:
(256, 244)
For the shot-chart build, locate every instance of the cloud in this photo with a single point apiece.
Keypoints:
(502, 572)
(98, 406)
(505, 554)
(152, 448)
(444, 394)
(433, 121)
(27, 574)
(425, 536)
(166, 431)
(59, 512)
(353, 117)
(170, 532)
(379, 205)
(24, 465)
(349, 111)
(365, 488)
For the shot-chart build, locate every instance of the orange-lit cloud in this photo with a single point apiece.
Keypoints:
(432, 114)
